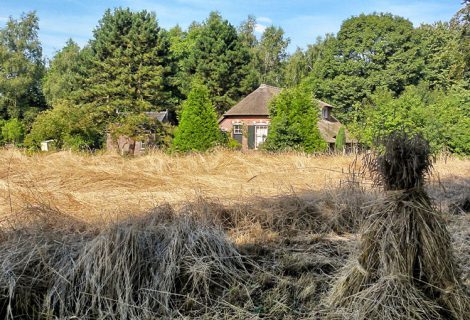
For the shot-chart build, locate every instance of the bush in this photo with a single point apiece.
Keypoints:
(294, 122)
(70, 126)
(13, 131)
(340, 139)
(198, 129)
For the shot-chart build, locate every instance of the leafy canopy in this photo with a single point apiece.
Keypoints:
(294, 116)
(12, 131)
(21, 67)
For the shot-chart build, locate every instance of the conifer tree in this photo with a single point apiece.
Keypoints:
(340, 139)
(129, 63)
(294, 122)
(218, 57)
(198, 129)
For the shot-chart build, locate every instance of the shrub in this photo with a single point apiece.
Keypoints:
(294, 122)
(69, 125)
(340, 139)
(13, 131)
(198, 129)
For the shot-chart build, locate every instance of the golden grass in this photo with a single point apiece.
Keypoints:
(291, 217)
(89, 186)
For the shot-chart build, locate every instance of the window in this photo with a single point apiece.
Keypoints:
(261, 132)
(143, 145)
(237, 129)
(325, 113)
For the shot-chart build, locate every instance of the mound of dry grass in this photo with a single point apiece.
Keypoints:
(105, 185)
(405, 268)
(160, 264)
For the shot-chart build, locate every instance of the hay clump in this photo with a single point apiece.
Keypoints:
(405, 268)
(404, 162)
(163, 264)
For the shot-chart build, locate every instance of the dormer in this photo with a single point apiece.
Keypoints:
(326, 113)
(326, 110)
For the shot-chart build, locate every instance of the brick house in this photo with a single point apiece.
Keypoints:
(248, 121)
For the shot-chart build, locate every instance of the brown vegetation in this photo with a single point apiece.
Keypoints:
(256, 236)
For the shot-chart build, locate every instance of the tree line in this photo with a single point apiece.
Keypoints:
(379, 70)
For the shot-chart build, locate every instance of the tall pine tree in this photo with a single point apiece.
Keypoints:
(217, 57)
(198, 129)
(129, 63)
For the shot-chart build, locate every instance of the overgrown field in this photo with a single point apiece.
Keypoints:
(224, 235)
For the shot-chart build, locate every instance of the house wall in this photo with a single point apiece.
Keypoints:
(125, 145)
(227, 124)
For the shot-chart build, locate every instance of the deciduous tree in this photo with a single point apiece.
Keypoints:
(21, 67)
(293, 126)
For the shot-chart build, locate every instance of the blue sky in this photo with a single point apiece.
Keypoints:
(302, 20)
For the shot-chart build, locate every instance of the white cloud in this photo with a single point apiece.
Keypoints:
(264, 19)
(259, 28)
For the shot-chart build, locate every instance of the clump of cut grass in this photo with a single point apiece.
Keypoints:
(347, 206)
(286, 215)
(39, 244)
(405, 268)
(160, 264)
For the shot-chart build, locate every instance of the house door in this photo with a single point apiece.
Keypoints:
(261, 132)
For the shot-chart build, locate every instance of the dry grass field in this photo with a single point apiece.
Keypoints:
(91, 186)
(220, 235)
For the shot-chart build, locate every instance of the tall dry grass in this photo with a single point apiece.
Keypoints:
(95, 186)
(240, 235)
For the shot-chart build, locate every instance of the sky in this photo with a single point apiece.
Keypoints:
(302, 20)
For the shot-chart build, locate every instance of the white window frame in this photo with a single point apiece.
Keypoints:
(143, 145)
(257, 126)
(237, 128)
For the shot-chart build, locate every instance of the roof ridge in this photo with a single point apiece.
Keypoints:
(264, 85)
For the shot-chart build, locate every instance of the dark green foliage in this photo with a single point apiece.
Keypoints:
(251, 137)
(128, 63)
(340, 139)
(214, 54)
(21, 67)
(294, 122)
(369, 52)
(198, 129)
(63, 78)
